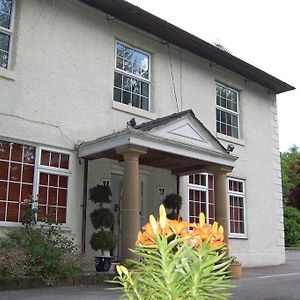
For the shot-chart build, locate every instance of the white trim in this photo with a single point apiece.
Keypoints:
(231, 139)
(38, 168)
(240, 195)
(132, 75)
(229, 111)
(10, 31)
(134, 110)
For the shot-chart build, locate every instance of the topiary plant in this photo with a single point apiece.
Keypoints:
(103, 241)
(102, 217)
(100, 194)
(173, 202)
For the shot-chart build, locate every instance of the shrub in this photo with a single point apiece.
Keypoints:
(292, 226)
(42, 252)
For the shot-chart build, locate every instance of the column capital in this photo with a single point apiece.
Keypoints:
(219, 170)
(131, 149)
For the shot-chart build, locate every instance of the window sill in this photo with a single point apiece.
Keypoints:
(134, 111)
(238, 236)
(7, 74)
(230, 139)
(63, 227)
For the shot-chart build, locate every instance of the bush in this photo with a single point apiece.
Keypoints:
(292, 226)
(102, 217)
(103, 240)
(41, 252)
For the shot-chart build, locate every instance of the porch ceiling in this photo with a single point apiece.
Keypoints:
(179, 143)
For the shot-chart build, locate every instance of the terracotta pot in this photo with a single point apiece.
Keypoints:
(235, 270)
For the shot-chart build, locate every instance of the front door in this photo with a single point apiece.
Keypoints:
(117, 195)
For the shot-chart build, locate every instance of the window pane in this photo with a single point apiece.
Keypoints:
(118, 80)
(4, 150)
(53, 180)
(117, 95)
(4, 19)
(120, 50)
(145, 89)
(54, 162)
(29, 154)
(120, 63)
(4, 42)
(3, 59)
(3, 170)
(136, 86)
(3, 190)
(15, 172)
(17, 151)
(64, 161)
(14, 192)
(2, 211)
(12, 212)
(128, 66)
(26, 192)
(45, 158)
(6, 6)
(126, 97)
(136, 101)
(145, 103)
(62, 197)
(126, 83)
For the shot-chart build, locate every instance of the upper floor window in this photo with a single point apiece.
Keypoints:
(227, 111)
(237, 215)
(131, 77)
(6, 31)
(27, 171)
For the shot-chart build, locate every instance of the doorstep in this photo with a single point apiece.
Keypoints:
(27, 282)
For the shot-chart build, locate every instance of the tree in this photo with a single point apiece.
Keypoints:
(290, 167)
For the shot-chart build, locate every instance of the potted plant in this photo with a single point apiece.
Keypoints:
(103, 240)
(235, 269)
(173, 203)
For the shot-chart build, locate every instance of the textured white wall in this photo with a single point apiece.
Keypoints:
(61, 95)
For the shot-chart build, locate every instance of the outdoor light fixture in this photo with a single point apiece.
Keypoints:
(230, 148)
(132, 123)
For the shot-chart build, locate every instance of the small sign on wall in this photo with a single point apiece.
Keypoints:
(161, 193)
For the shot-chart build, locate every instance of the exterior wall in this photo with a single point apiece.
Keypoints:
(59, 94)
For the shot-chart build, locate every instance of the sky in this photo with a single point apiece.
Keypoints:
(264, 33)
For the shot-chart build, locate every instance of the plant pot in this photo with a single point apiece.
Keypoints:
(103, 263)
(235, 270)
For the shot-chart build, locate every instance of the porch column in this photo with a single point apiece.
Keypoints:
(130, 209)
(221, 203)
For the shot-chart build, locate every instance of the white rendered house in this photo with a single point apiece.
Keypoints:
(99, 91)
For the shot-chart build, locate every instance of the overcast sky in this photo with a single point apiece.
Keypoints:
(264, 33)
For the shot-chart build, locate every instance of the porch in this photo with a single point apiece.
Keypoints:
(179, 143)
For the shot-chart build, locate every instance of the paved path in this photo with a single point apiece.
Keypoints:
(267, 283)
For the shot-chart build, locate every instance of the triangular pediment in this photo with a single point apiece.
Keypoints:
(183, 128)
(188, 132)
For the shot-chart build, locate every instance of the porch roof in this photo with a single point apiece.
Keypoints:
(178, 142)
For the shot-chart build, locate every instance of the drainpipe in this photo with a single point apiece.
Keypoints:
(177, 184)
(84, 204)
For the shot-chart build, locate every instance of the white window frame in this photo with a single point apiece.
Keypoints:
(240, 195)
(140, 78)
(201, 188)
(229, 111)
(36, 178)
(10, 32)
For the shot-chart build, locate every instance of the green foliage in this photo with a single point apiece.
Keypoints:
(292, 226)
(103, 240)
(100, 194)
(290, 167)
(102, 217)
(175, 270)
(42, 252)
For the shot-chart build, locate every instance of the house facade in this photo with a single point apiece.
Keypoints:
(100, 91)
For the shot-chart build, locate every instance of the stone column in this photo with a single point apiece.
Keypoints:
(221, 201)
(130, 208)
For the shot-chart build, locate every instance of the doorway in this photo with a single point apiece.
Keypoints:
(117, 196)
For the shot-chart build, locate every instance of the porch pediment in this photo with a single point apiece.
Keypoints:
(178, 142)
